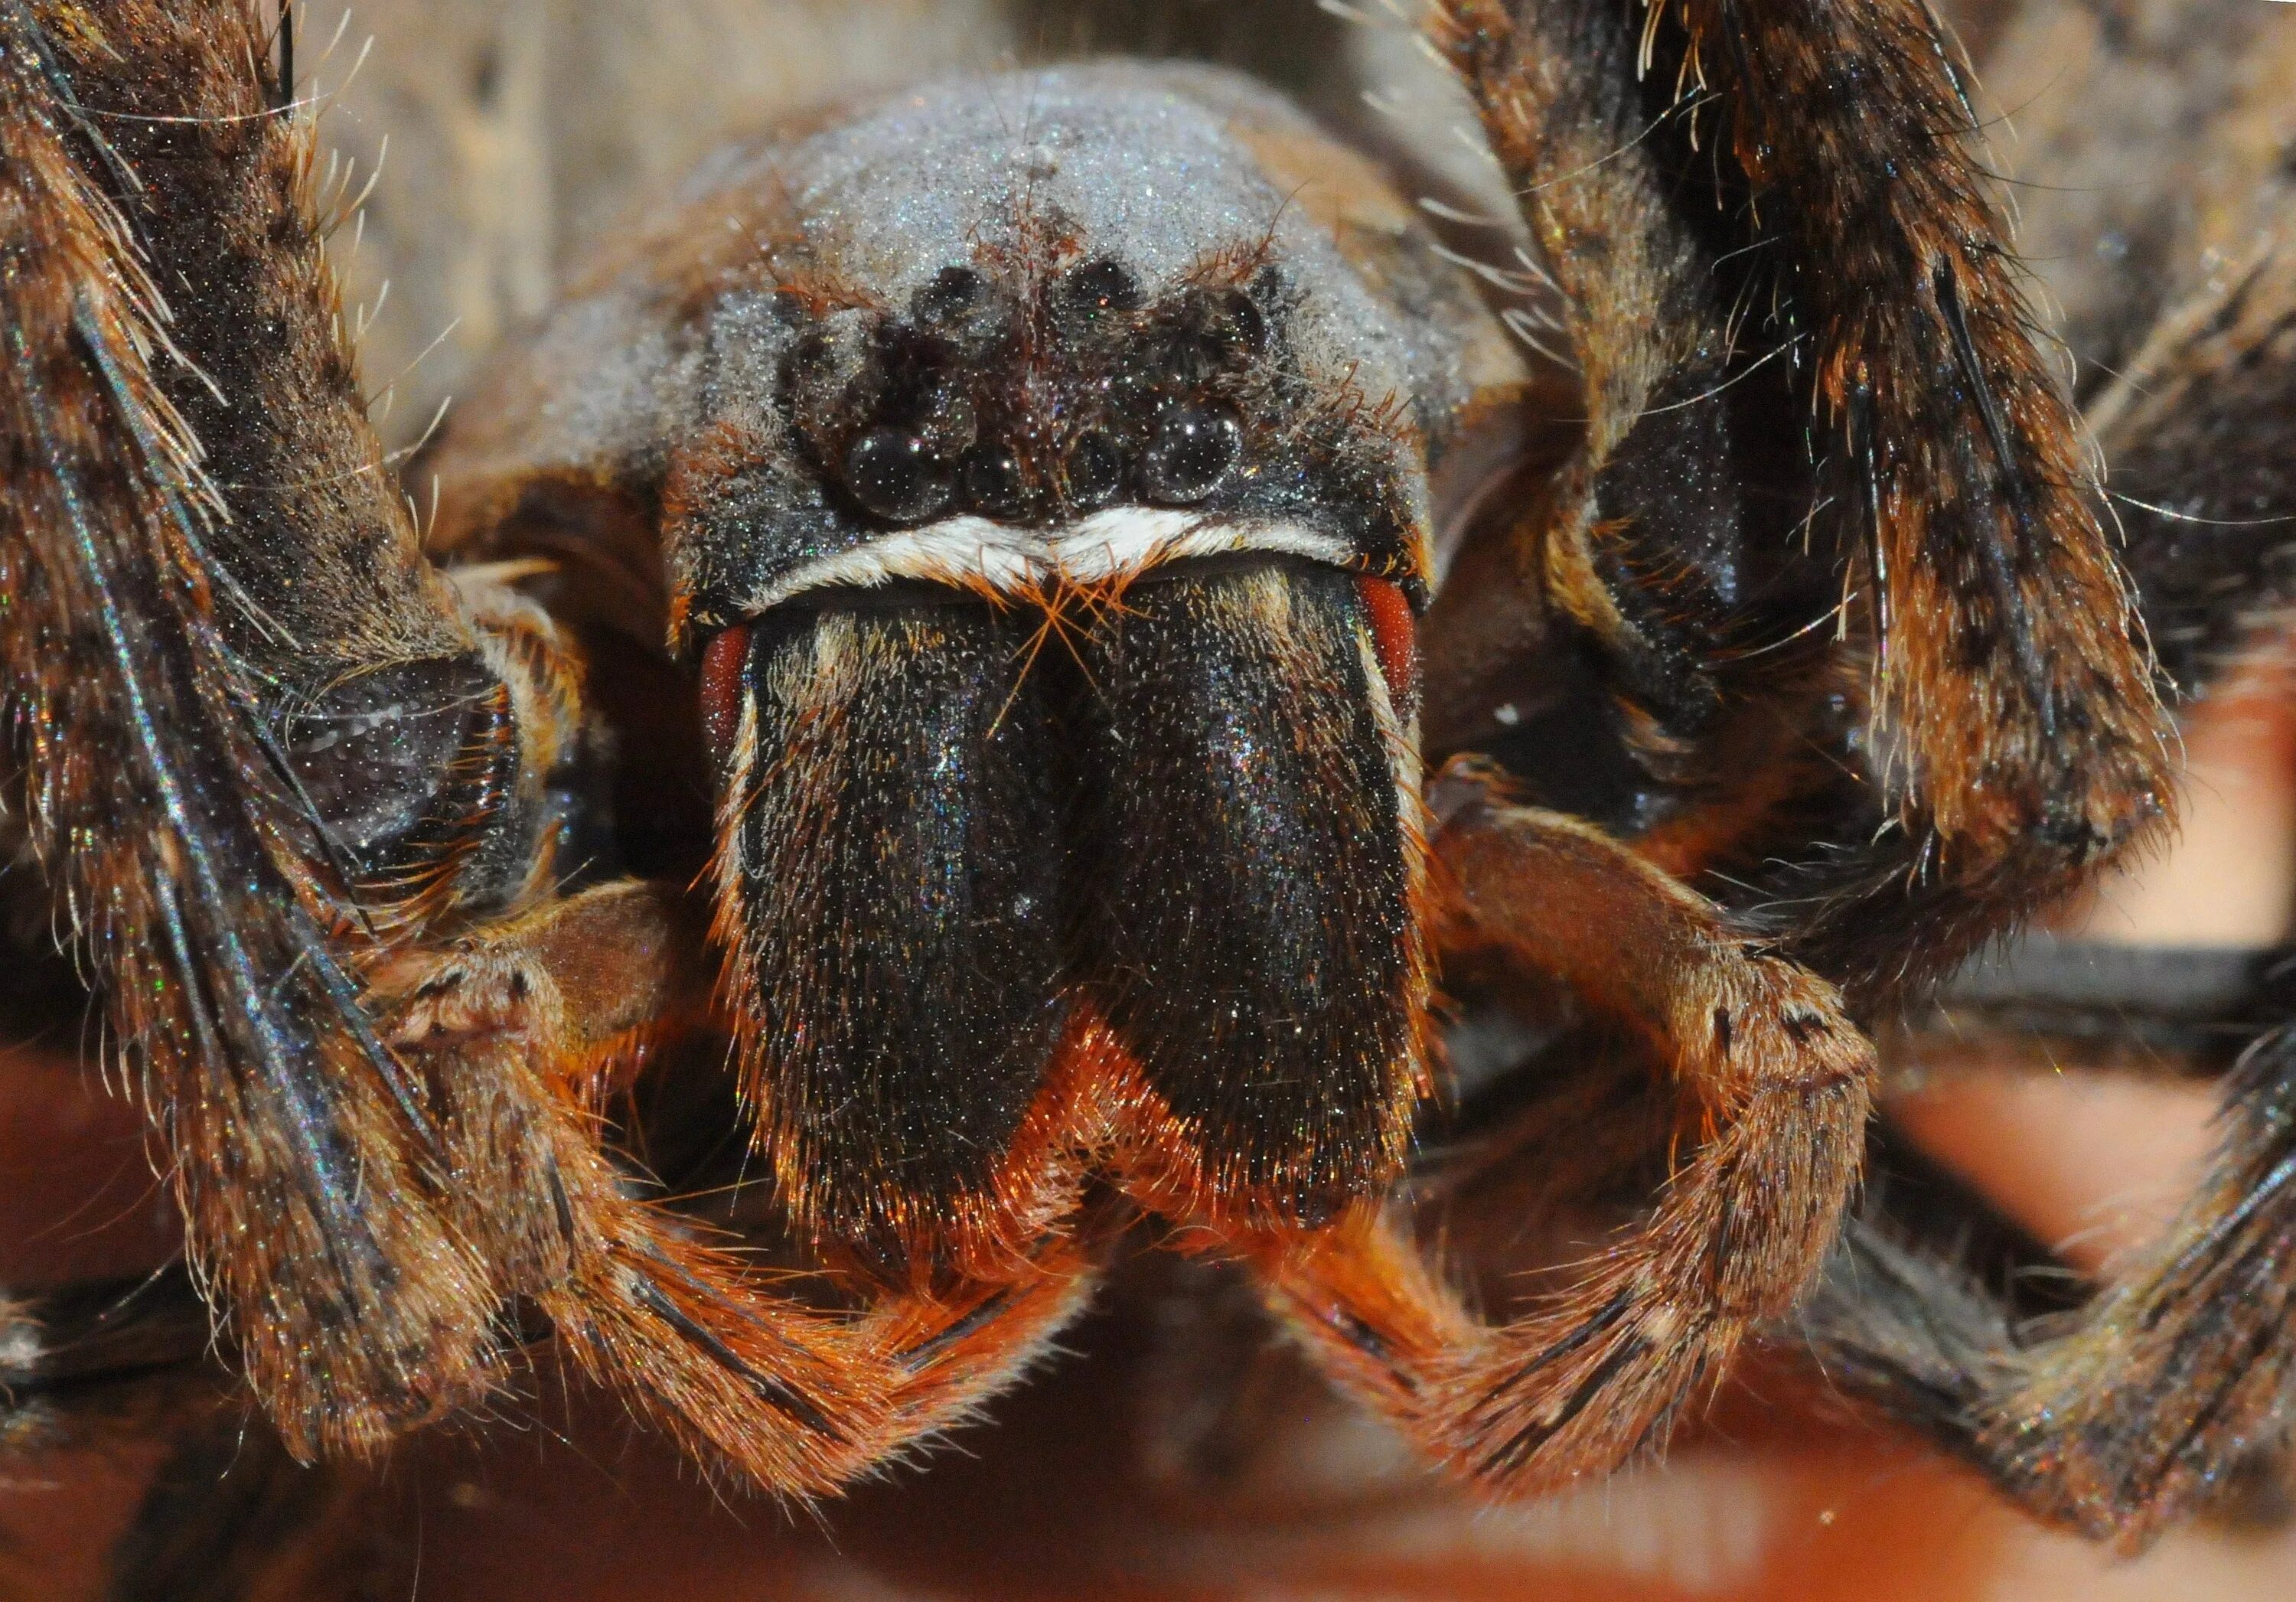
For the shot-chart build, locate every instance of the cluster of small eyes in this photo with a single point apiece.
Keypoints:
(1166, 440)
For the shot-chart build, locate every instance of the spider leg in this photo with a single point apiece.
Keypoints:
(258, 721)
(86, 1362)
(189, 868)
(2122, 1416)
(1781, 1083)
(229, 1515)
(2119, 1418)
(523, 1031)
(112, 1368)
(2198, 442)
(1799, 168)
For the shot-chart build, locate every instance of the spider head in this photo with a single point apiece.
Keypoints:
(1059, 673)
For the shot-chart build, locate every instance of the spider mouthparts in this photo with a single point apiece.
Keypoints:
(946, 831)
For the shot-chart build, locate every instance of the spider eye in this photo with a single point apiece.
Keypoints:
(896, 476)
(992, 481)
(1100, 287)
(722, 665)
(945, 302)
(1192, 452)
(1237, 326)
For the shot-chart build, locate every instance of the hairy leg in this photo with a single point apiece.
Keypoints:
(275, 754)
(2201, 473)
(2122, 1417)
(190, 868)
(1777, 1083)
(1779, 200)
(523, 1033)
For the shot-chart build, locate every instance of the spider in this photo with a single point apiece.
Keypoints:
(1038, 619)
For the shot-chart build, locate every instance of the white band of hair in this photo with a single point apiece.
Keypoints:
(1118, 542)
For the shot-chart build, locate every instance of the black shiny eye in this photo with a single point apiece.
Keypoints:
(895, 475)
(1098, 287)
(1236, 326)
(989, 476)
(1192, 452)
(1134, 387)
(1094, 473)
(952, 295)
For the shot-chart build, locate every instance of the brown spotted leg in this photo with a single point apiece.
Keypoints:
(2125, 1416)
(1780, 1084)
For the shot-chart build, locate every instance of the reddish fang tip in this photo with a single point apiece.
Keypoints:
(1395, 636)
(721, 690)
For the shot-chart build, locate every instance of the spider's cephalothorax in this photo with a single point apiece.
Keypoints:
(937, 605)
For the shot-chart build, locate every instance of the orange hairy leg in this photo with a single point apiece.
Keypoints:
(525, 1033)
(1779, 1083)
(326, 761)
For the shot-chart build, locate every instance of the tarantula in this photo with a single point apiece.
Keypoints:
(955, 615)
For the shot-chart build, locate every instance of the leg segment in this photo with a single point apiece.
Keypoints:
(2118, 1411)
(115, 1367)
(521, 1035)
(1809, 157)
(2120, 1419)
(193, 872)
(2202, 476)
(229, 1515)
(2124, 1415)
(1781, 1085)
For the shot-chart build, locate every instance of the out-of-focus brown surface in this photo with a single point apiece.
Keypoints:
(1773, 1504)
(2147, 140)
